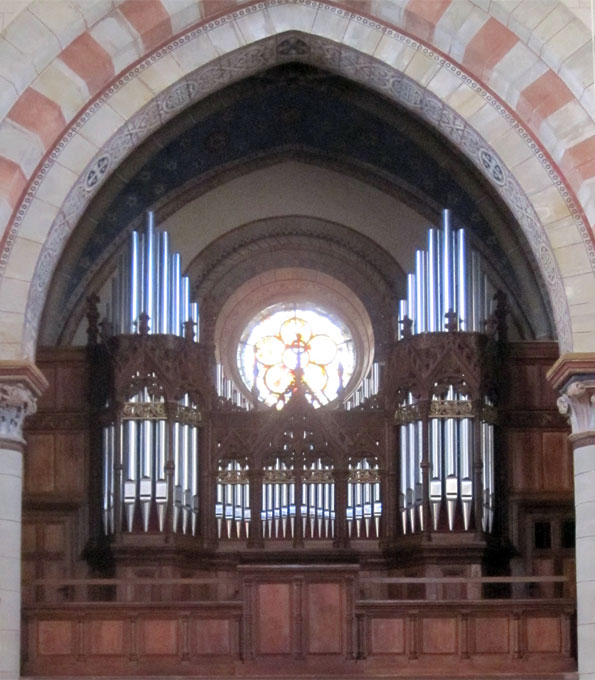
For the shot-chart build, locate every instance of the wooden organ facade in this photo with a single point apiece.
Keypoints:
(170, 530)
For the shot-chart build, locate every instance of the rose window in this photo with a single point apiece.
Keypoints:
(287, 347)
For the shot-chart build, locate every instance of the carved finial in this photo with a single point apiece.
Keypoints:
(406, 327)
(143, 323)
(491, 326)
(189, 330)
(92, 319)
(452, 321)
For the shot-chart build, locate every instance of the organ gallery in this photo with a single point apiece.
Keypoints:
(265, 481)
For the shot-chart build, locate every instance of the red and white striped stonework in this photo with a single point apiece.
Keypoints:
(74, 72)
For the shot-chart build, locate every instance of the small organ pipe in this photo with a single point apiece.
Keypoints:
(134, 310)
(433, 264)
(462, 283)
(447, 266)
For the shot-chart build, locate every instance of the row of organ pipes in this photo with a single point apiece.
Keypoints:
(448, 279)
(448, 292)
(149, 283)
(279, 509)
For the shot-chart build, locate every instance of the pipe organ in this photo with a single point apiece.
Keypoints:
(186, 451)
(150, 431)
(445, 413)
(403, 528)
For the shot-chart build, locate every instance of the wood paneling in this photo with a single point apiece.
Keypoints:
(325, 618)
(274, 618)
(387, 636)
(106, 638)
(439, 635)
(491, 635)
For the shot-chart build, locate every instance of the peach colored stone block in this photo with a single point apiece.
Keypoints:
(86, 57)
(532, 176)
(444, 83)
(391, 12)
(573, 260)
(550, 205)
(101, 126)
(119, 39)
(566, 128)
(21, 146)
(331, 25)
(23, 258)
(56, 184)
(394, 52)
(488, 47)
(511, 148)
(489, 123)
(563, 232)
(8, 96)
(517, 69)
(77, 153)
(255, 26)
(527, 15)
(38, 113)
(12, 181)
(420, 17)
(292, 17)
(542, 98)
(63, 86)
(13, 295)
(150, 19)
(466, 101)
(37, 221)
(422, 68)
(127, 100)
(11, 328)
(553, 22)
(578, 162)
(161, 74)
(92, 12)
(565, 43)
(33, 39)
(182, 13)
(457, 26)
(14, 68)
(586, 195)
(225, 37)
(362, 36)
(579, 288)
(212, 8)
(577, 72)
(194, 53)
(64, 19)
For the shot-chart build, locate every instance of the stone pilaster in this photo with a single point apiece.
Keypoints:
(574, 376)
(20, 385)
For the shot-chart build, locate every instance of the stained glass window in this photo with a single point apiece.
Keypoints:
(288, 344)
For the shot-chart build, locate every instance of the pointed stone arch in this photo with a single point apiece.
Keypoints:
(426, 63)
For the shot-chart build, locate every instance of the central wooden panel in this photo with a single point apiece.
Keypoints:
(325, 618)
(274, 618)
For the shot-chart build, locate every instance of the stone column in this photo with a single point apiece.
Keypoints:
(19, 388)
(574, 376)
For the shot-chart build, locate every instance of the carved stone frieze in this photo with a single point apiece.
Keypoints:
(16, 402)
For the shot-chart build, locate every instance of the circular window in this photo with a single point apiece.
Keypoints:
(288, 345)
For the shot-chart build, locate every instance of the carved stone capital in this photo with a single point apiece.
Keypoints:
(574, 376)
(20, 385)
(16, 402)
(577, 403)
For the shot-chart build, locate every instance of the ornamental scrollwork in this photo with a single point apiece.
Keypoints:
(364, 476)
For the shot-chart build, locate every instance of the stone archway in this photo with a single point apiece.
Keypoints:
(216, 52)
